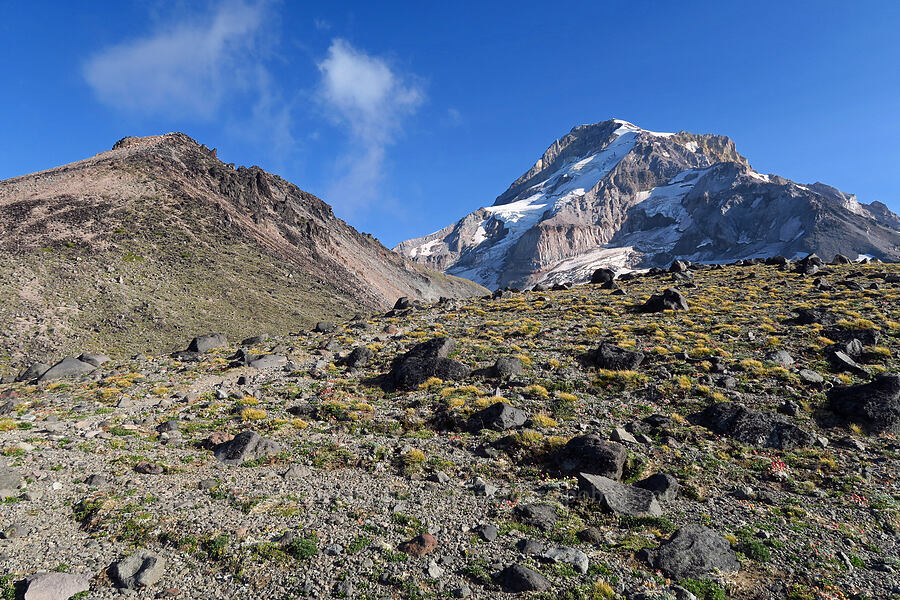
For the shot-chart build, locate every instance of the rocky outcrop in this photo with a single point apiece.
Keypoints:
(617, 196)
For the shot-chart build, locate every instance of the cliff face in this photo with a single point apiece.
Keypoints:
(178, 227)
(612, 194)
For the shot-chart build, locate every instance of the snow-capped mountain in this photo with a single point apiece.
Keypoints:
(613, 194)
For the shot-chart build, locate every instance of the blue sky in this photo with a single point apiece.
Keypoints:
(406, 116)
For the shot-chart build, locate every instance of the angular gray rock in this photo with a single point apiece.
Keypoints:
(247, 445)
(811, 377)
(573, 557)
(542, 516)
(93, 359)
(695, 551)
(612, 357)
(499, 416)
(619, 498)
(33, 372)
(664, 486)
(780, 357)
(205, 343)
(359, 357)
(754, 428)
(324, 327)
(507, 366)
(139, 570)
(268, 361)
(425, 360)
(670, 299)
(874, 405)
(55, 586)
(592, 454)
(519, 578)
(67, 367)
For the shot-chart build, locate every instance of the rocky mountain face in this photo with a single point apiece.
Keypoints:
(141, 243)
(612, 194)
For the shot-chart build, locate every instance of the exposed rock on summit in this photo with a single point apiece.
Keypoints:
(612, 195)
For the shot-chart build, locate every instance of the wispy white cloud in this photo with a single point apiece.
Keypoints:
(185, 69)
(371, 101)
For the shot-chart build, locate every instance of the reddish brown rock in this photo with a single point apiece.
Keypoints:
(419, 546)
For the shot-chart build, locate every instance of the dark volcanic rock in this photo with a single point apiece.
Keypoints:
(507, 366)
(592, 454)
(754, 428)
(499, 417)
(670, 299)
(619, 498)
(695, 551)
(93, 359)
(428, 359)
(810, 316)
(324, 327)
(205, 343)
(663, 486)
(359, 357)
(519, 578)
(542, 516)
(419, 546)
(603, 275)
(247, 445)
(866, 337)
(33, 372)
(610, 356)
(876, 405)
(67, 367)
(403, 303)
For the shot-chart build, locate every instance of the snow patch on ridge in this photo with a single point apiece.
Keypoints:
(570, 182)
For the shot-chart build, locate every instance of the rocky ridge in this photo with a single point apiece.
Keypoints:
(157, 238)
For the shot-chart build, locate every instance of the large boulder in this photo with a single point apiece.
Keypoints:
(425, 360)
(592, 454)
(695, 551)
(55, 586)
(619, 498)
(519, 578)
(809, 265)
(670, 299)
(247, 445)
(67, 367)
(678, 266)
(507, 366)
(499, 416)
(810, 316)
(612, 357)
(205, 343)
(33, 372)
(541, 516)
(752, 427)
(664, 486)
(93, 358)
(139, 570)
(359, 357)
(603, 275)
(874, 405)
